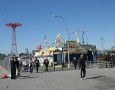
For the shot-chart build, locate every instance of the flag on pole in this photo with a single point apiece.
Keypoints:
(46, 44)
(45, 39)
(39, 47)
(77, 38)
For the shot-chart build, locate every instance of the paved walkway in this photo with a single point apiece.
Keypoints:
(97, 79)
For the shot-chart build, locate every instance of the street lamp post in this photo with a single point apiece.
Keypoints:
(87, 38)
(67, 36)
(102, 40)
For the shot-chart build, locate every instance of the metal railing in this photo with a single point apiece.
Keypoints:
(89, 64)
(100, 64)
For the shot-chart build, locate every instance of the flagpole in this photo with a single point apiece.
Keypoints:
(45, 42)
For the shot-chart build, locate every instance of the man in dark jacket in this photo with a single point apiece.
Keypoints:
(82, 65)
(13, 68)
(75, 62)
(37, 64)
(46, 62)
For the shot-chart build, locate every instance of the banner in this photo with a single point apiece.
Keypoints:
(77, 39)
(59, 41)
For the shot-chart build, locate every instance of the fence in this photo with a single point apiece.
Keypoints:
(6, 63)
(100, 64)
(89, 64)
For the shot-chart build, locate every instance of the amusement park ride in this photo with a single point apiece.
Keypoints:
(14, 51)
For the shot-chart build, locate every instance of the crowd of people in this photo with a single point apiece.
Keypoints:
(17, 64)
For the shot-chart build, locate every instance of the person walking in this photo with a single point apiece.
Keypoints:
(13, 68)
(46, 63)
(31, 65)
(75, 62)
(17, 67)
(37, 64)
(20, 65)
(82, 66)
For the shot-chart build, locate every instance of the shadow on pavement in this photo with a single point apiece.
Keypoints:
(26, 77)
(96, 77)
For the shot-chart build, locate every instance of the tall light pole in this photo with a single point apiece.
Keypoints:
(102, 41)
(82, 37)
(87, 38)
(67, 36)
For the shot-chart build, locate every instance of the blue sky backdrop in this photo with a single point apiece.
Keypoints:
(97, 17)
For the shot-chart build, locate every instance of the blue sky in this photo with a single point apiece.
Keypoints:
(97, 17)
